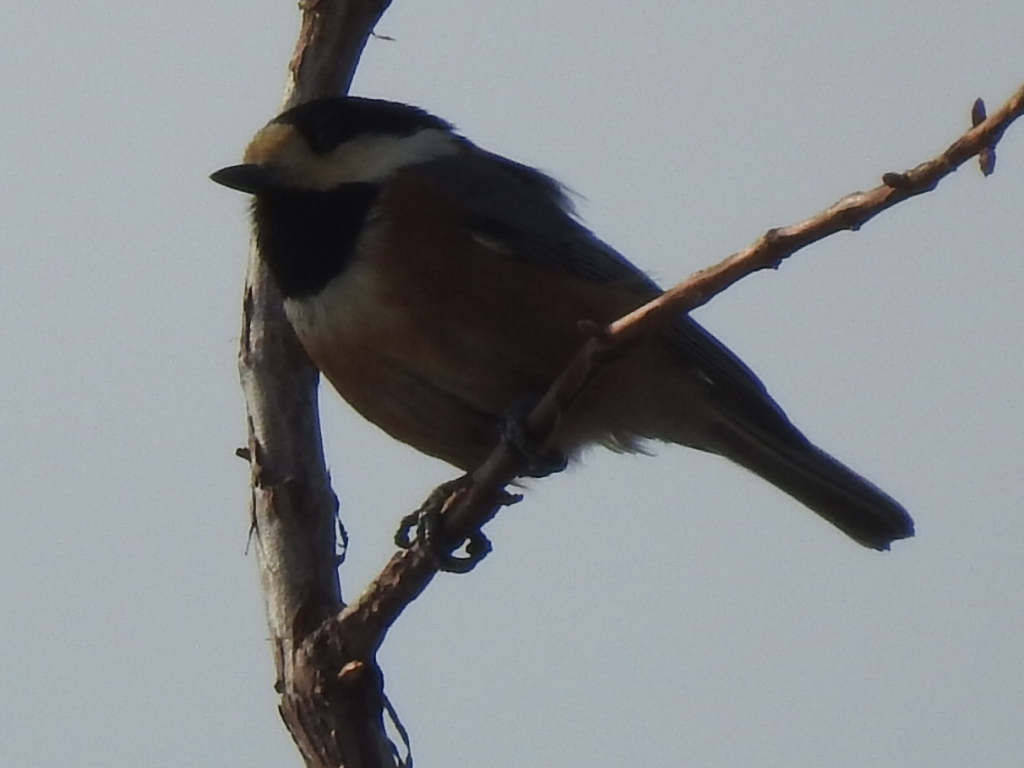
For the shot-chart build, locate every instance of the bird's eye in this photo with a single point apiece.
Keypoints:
(321, 129)
(323, 135)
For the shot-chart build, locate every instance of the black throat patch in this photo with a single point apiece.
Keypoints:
(308, 238)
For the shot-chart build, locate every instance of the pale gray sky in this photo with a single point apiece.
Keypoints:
(656, 611)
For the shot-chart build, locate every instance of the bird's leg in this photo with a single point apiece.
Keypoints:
(537, 459)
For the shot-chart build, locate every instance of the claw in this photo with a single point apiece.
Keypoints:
(430, 531)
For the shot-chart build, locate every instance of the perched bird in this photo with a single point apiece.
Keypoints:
(435, 283)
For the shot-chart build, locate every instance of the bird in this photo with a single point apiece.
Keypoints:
(435, 284)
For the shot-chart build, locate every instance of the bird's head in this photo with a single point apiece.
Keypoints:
(322, 144)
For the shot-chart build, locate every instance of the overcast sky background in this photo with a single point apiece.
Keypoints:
(656, 611)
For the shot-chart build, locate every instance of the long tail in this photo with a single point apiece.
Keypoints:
(789, 461)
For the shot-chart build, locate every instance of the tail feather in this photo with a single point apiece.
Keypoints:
(793, 464)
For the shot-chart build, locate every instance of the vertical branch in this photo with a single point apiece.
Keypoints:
(293, 508)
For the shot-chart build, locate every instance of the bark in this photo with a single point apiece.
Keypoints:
(334, 720)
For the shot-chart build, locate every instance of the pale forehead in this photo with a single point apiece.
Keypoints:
(271, 143)
(281, 146)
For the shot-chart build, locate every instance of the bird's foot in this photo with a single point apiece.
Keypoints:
(437, 543)
(537, 459)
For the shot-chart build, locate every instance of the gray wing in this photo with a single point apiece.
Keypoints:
(527, 214)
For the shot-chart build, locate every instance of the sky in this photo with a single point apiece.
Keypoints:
(659, 611)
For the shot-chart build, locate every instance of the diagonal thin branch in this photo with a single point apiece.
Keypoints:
(409, 572)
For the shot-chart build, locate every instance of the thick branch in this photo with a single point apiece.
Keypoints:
(332, 36)
(294, 511)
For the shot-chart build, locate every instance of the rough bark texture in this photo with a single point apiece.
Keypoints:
(335, 720)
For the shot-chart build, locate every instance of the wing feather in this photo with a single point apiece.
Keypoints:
(528, 215)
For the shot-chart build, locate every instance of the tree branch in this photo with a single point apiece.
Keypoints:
(293, 509)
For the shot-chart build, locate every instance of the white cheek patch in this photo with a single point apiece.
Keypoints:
(374, 158)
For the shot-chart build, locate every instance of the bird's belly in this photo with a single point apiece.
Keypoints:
(423, 379)
(434, 351)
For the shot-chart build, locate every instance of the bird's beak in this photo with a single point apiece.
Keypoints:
(248, 177)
